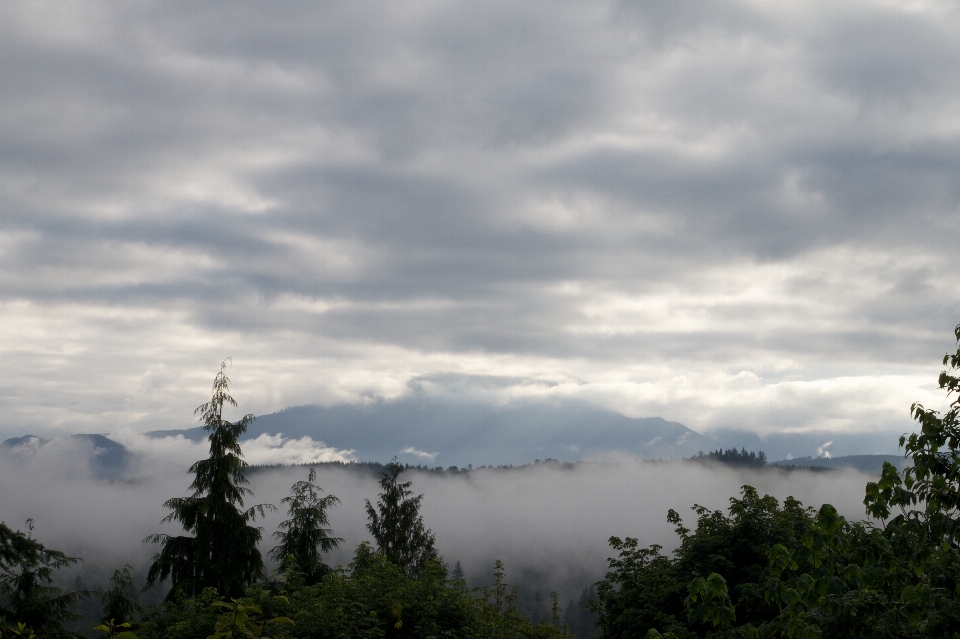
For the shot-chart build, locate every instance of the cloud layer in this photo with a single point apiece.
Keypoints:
(730, 214)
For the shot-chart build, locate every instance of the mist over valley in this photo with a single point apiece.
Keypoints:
(548, 522)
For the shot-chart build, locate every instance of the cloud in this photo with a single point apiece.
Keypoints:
(706, 211)
(168, 453)
(410, 450)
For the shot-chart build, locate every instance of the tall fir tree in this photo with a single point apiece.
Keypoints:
(305, 535)
(222, 553)
(396, 524)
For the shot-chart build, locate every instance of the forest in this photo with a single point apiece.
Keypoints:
(761, 568)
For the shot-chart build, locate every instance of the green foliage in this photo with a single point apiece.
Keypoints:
(116, 630)
(246, 619)
(18, 630)
(304, 537)
(396, 524)
(222, 553)
(371, 598)
(645, 589)
(28, 595)
(898, 580)
(709, 601)
(901, 579)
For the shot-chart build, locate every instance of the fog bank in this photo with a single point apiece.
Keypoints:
(548, 523)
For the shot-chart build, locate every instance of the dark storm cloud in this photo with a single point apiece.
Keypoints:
(631, 194)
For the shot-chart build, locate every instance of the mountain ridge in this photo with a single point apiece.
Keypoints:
(459, 433)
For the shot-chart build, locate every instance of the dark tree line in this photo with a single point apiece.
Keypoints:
(733, 457)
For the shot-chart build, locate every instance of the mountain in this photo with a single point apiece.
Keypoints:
(866, 463)
(106, 458)
(460, 433)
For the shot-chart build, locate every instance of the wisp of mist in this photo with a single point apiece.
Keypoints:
(549, 523)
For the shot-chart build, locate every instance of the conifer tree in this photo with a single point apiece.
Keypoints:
(28, 594)
(305, 536)
(222, 553)
(396, 524)
(16, 547)
(119, 603)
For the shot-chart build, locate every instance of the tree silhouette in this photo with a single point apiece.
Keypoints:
(304, 536)
(396, 524)
(222, 553)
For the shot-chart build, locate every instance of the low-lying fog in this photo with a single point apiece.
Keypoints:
(548, 524)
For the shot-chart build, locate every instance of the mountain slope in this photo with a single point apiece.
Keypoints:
(445, 433)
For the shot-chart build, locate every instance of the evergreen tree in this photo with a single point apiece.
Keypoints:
(222, 553)
(27, 591)
(16, 547)
(119, 603)
(579, 616)
(396, 524)
(304, 536)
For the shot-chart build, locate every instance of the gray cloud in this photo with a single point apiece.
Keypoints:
(652, 200)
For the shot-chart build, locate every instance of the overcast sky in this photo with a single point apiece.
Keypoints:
(728, 214)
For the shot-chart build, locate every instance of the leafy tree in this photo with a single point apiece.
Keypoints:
(116, 630)
(645, 589)
(247, 620)
(119, 602)
(222, 553)
(18, 630)
(899, 579)
(28, 595)
(304, 536)
(396, 524)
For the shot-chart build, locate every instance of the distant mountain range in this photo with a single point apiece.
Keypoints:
(419, 429)
(445, 433)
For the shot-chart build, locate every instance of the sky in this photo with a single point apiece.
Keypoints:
(731, 214)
